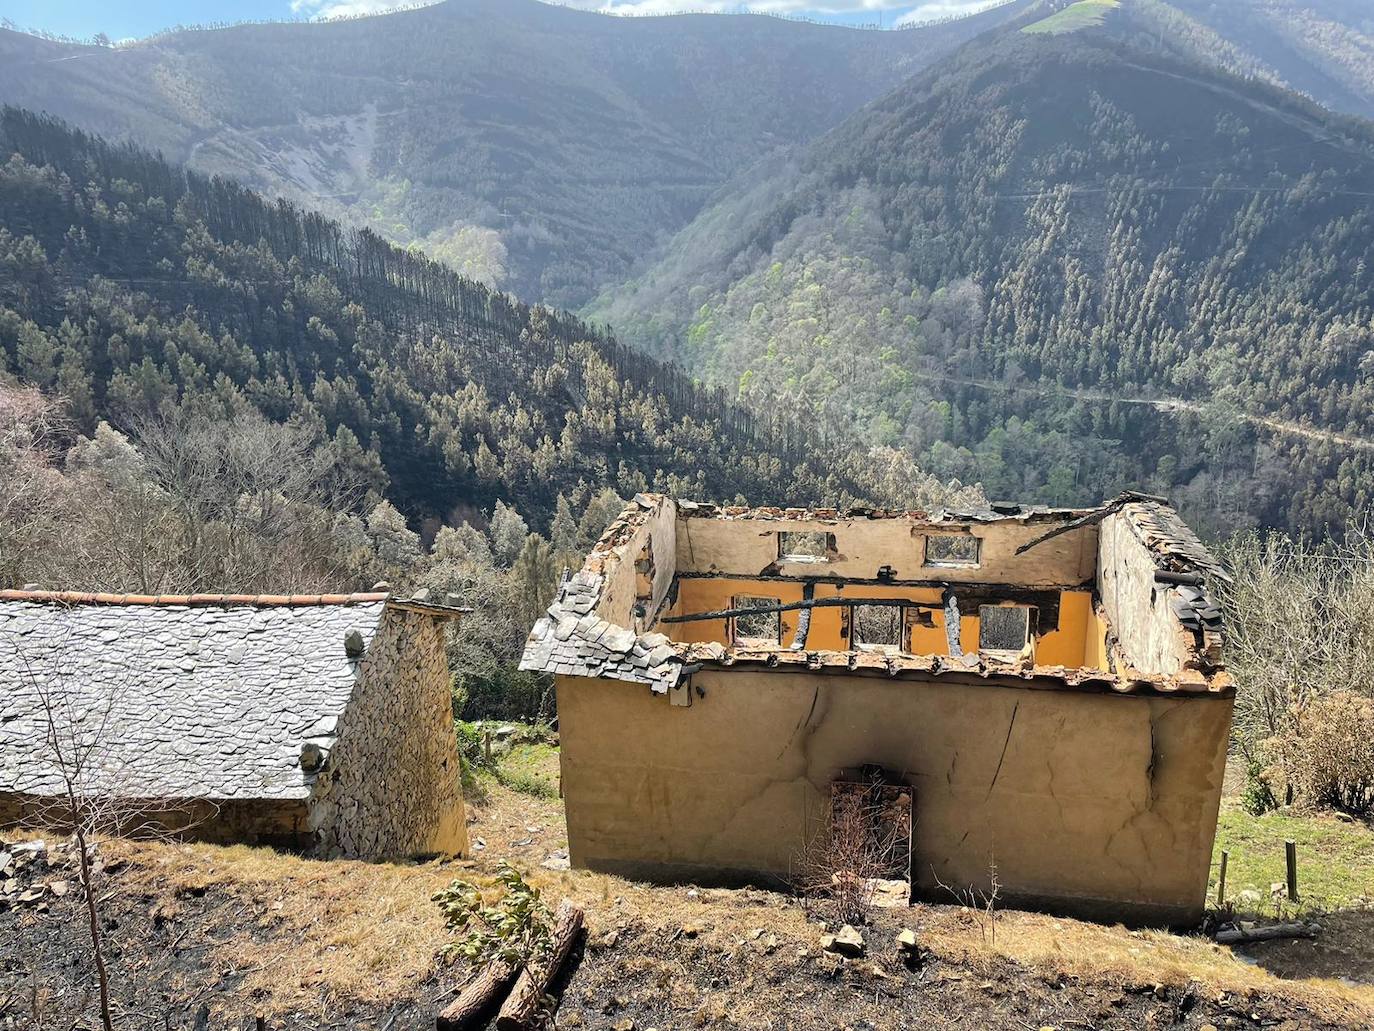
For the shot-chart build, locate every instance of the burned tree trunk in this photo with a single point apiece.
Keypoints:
(521, 1011)
(477, 997)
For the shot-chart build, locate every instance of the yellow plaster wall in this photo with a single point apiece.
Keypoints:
(1065, 646)
(1098, 804)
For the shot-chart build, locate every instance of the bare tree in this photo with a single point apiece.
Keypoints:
(83, 782)
(1300, 624)
(33, 493)
(253, 500)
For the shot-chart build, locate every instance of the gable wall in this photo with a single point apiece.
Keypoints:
(391, 786)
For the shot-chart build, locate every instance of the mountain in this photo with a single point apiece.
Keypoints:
(1063, 261)
(537, 148)
(130, 287)
(1324, 48)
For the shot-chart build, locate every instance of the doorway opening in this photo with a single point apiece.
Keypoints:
(870, 833)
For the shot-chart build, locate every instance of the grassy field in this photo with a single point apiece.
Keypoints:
(1335, 862)
(530, 768)
(1082, 15)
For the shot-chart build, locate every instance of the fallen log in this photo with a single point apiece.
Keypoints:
(1244, 935)
(521, 1011)
(477, 999)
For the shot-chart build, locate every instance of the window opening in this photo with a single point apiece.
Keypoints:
(756, 627)
(953, 551)
(803, 546)
(1003, 628)
(878, 626)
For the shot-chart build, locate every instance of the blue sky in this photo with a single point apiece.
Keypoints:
(120, 19)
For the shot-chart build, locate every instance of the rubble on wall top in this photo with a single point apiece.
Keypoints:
(994, 513)
(1171, 541)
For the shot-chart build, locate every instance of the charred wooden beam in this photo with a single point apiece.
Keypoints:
(1097, 515)
(797, 606)
(804, 620)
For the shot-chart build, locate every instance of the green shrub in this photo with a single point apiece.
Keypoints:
(1258, 797)
(516, 929)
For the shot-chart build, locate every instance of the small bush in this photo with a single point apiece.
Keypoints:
(1258, 797)
(865, 839)
(1325, 757)
(526, 783)
(516, 930)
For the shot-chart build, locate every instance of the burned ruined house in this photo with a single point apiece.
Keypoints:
(309, 722)
(1044, 689)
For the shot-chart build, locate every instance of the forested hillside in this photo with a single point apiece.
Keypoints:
(1062, 210)
(1324, 48)
(131, 288)
(533, 147)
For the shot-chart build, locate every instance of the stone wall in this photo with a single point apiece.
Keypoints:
(390, 785)
(1138, 610)
(280, 823)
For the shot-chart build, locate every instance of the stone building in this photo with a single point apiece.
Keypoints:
(1042, 690)
(308, 722)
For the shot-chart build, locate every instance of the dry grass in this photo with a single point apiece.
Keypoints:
(304, 932)
(1100, 953)
(309, 930)
(305, 929)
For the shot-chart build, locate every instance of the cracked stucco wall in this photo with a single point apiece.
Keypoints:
(1099, 805)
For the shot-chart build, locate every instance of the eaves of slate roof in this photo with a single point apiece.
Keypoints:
(572, 639)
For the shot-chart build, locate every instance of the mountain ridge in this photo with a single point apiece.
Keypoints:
(1081, 211)
(538, 148)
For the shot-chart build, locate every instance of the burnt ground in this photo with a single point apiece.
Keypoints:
(206, 937)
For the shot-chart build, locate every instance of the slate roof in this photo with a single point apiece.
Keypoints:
(206, 696)
(572, 639)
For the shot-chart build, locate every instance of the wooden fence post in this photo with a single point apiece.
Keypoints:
(1290, 849)
(1221, 878)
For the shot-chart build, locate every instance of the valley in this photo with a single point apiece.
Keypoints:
(570, 141)
(638, 518)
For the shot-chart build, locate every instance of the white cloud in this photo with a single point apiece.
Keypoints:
(345, 8)
(937, 9)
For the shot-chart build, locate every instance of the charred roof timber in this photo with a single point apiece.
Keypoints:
(1116, 597)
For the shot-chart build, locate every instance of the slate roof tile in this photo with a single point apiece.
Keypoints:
(228, 685)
